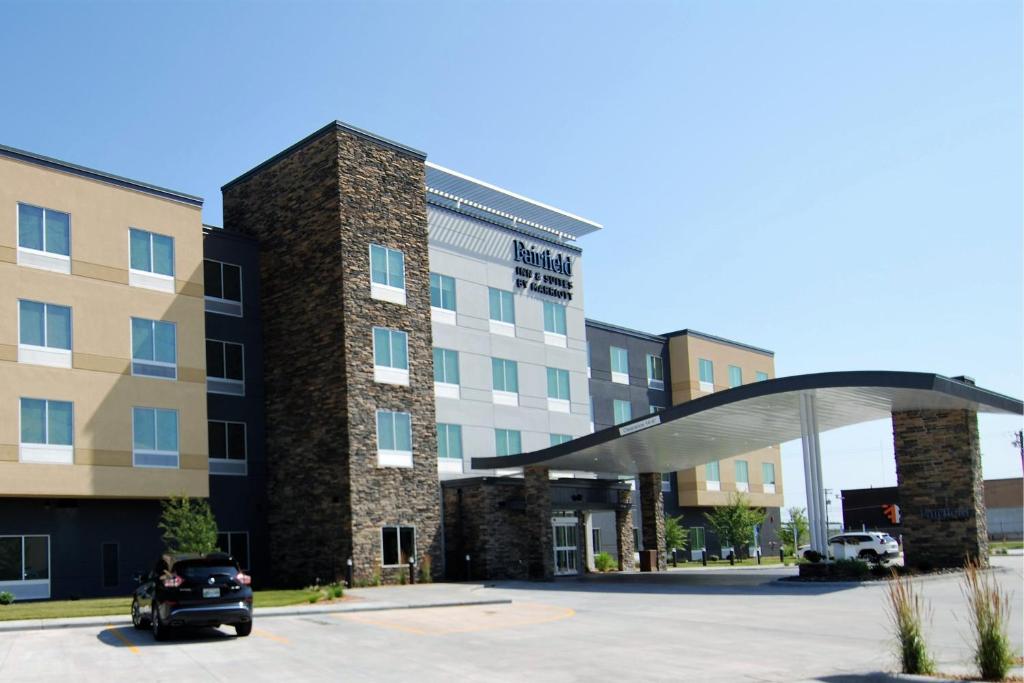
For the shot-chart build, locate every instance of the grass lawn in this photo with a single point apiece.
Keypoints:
(1005, 545)
(101, 607)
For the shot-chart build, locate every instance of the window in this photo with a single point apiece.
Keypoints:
(154, 437)
(223, 287)
(225, 372)
(502, 306)
(449, 441)
(558, 390)
(620, 365)
(25, 566)
(588, 359)
(390, 356)
(394, 439)
(44, 238)
(398, 545)
(227, 447)
(235, 544)
(387, 274)
(666, 482)
(768, 476)
(622, 411)
(595, 540)
(706, 371)
(735, 376)
(554, 324)
(44, 334)
(47, 431)
(154, 348)
(713, 476)
(110, 566)
(742, 475)
(507, 442)
(442, 292)
(696, 538)
(151, 260)
(655, 372)
(654, 409)
(558, 439)
(505, 375)
(760, 376)
(446, 373)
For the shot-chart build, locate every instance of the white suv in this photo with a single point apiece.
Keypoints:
(870, 546)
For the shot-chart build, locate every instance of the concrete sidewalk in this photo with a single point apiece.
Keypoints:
(375, 599)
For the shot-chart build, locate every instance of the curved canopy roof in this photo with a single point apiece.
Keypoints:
(753, 416)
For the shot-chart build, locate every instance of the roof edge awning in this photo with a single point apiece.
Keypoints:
(754, 416)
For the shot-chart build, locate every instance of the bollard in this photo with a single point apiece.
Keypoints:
(782, 556)
(759, 556)
(348, 572)
(412, 570)
(732, 559)
(468, 572)
(675, 562)
(704, 556)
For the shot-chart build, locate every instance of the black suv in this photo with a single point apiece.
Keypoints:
(193, 590)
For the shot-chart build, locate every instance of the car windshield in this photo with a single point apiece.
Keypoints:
(203, 571)
(888, 539)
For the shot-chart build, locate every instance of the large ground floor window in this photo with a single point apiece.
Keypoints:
(25, 566)
(399, 545)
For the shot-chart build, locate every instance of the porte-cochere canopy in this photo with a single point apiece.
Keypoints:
(753, 416)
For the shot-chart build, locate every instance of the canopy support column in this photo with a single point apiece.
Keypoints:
(540, 556)
(815, 487)
(652, 515)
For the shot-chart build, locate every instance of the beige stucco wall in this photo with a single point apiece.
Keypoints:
(100, 384)
(684, 354)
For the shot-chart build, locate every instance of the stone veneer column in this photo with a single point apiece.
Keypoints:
(315, 209)
(941, 489)
(652, 515)
(540, 553)
(624, 531)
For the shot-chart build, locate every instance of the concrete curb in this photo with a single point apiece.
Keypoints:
(262, 613)
(786, 581)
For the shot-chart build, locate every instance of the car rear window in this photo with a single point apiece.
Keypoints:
(203, 571)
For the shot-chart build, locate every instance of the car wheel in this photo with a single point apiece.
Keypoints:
(160, 631)
(869, 555)
(137, 620)
(242, 630)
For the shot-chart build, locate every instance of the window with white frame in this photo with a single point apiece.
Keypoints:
(235, 544)
(44, 334)
(558, 439)
(222, 283)
(398, 545)
(225, 367)
(449, 441)
(44, 238)
(155, 437)
(619, 364)
(390, 356)
(502, 306)
(151, 260)
(713, 476)
(742, 475)
(558, 390)
(622, 411)
(706, 374)
(666, 482)
(735, 376)
(505, 377)
(227, 447)
(387, 274)
(394, 439)
(154, 348)
(768, 476)
(446, 373)
(555, 327)
(47, 431)
(760, 376)
(507, 442)
(655, 372)
(442, 298)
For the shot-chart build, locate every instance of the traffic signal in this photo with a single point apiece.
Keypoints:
(891, 512)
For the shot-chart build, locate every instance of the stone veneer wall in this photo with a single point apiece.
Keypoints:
(652, 515)
(540, 557)
(315, 210)
(487, 521)
(941, 488)
(624, 531)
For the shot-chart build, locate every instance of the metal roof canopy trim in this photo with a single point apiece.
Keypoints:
(518, 209)
(753, 416)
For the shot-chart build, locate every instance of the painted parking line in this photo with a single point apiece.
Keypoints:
(116, 632)
(440, 621)
(269, 636)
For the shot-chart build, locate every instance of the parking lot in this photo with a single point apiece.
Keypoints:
(721, 624)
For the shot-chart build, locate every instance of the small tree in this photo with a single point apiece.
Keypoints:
(734, 523)
(676, 535)
(188, 525)
(797, 522)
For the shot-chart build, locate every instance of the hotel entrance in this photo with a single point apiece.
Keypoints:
(565, 531)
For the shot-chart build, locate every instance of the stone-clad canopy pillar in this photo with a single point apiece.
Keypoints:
(540, 554)
(624, 531)
(941, 489)
(652, 515)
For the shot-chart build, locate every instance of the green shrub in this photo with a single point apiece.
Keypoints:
(604, 562)
(854, 569)
(713, 558)
(812, 556)
(336, 590)
(313, 598)
(905, 608)
(401, 578)
(425, 575)
(988, 614)
(6, 598)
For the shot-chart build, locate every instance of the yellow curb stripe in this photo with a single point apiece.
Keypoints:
(116, 632)
(269, 636)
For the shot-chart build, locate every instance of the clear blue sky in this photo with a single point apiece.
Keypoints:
(839, 182)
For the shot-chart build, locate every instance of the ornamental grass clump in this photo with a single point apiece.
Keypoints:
(906, 608)
(988, 612)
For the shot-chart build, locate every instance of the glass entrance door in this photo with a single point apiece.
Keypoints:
(566, 545)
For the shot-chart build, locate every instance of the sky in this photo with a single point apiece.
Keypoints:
(838, 182)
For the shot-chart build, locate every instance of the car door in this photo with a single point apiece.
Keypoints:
(147, 591)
